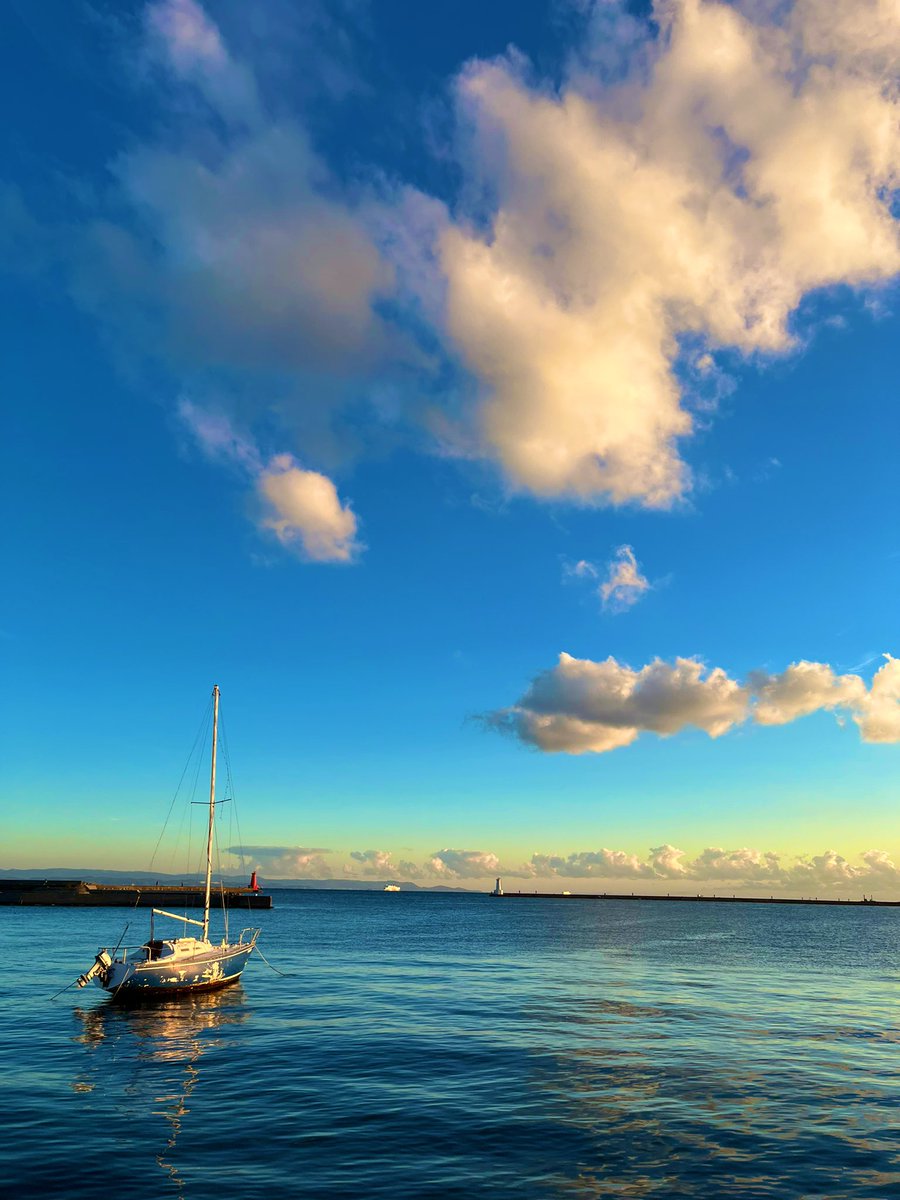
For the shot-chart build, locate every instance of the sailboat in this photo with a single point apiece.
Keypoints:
(164, 967)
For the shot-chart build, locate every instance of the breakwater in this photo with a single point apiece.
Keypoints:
(77, 893)
(697, 899)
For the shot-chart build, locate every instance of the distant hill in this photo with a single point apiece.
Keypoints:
(93, 875)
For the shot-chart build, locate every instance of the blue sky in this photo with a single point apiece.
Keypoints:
(351, 350)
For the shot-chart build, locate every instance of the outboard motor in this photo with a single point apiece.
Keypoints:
(101, 965)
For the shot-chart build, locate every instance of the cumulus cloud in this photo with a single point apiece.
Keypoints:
(580, 706)
(624, 584)
(606, 864)
(741, 867)
(464, 864)
(614, 237)
(443, 866)
(307, 512)
(878, 713)
(375, 863)
(806, 687)
(752, 163)
(676, 194)
(287, 862)
(865, 33)
(667, 861)
(743, 864)
(803, 688)
(665, 864)
(302, 507)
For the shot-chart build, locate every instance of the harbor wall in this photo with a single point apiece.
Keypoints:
(79, 893)
(697, 899)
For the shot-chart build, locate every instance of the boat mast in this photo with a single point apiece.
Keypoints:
(212, 814)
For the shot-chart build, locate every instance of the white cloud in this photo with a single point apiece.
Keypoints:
(287, 862)
(189, 38)
(302, 507)
(620, 235)
(218, 438)
(375, 863)
(744, 867)
(879, 864)
(464, 864)
(805, 687)
(307, 512)
(624, 584)
(667, 861)
(606, 864)
(580, 570)
(878, 713)
(754, 165)
(229, 251)
(738, 865)
(580, 706)
(741, 867)
(863, 33)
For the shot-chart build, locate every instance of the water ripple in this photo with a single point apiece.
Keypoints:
(453, 1046)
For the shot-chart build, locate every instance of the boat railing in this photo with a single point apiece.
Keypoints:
(247, 937)
(122, 952)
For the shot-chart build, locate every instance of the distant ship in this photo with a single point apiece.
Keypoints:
(391, 887)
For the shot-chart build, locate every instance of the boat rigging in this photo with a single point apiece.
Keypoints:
(163, 967)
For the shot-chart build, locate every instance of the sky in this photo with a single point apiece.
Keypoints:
(497, 402)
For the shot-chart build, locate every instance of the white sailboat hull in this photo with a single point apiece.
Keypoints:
(201, 970)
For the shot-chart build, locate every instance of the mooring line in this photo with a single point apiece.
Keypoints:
(283, 974)
(65, 989)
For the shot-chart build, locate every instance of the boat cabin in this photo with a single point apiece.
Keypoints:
(158, 948)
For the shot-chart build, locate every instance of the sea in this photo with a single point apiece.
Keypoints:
(413, 1045)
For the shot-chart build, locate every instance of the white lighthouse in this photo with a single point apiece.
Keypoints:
(498, 888)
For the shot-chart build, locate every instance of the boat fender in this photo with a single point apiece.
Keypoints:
(101, 965)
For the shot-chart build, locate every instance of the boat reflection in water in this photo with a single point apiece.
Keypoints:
(176, 1035)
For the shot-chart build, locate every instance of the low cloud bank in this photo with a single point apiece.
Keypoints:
(286, 862)
(581, 706)
(443, 866)
(745, 867)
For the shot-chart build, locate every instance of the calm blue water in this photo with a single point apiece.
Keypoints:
(454, 1046)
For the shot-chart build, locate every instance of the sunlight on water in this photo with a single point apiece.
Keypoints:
(440, 1045)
